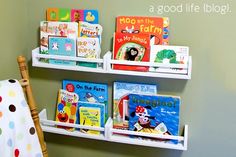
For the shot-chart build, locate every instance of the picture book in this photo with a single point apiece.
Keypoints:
(131, 47)
(169, 54)
(61, 46)
(72, 15)
(61, 29)
(121, 91)
(90, 30)
(91, 114)
(157, 27)
(89, 92)
(66, 108)
(158, 114)
(88, 48)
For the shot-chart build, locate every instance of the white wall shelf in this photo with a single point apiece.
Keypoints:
(106, 66)
(108, 133)
(36, 63)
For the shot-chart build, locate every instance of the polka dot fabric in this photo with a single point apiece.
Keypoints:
(18, 137)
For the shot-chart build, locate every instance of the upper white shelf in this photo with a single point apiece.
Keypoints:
(108, 133)
(105, 66)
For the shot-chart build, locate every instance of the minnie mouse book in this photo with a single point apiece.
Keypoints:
(158, 114)
(131, 47)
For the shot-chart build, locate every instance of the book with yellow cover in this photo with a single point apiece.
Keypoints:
(90, 116)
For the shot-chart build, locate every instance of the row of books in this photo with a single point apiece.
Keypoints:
(146, 39)
(136, 107)
(71, 32)
(82, 103)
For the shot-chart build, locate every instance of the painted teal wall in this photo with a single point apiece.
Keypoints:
(208, 99)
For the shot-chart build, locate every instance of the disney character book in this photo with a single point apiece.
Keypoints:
(121, 91)
(61, 46)
(169, 54)
(157, 27)
(158, 114)
(72, 15)
(66, 108)
(60, 29)
(88, 48)
(131, 47)
(88, 92)
(91, 114)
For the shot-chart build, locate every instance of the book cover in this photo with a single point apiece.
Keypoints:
(157, 27)
(61, 29)
(131, 47)
(121, 91)
(66, 108)
(90, 30)
(72, 15)
(88, 48)
(89, 92)
(62, 46)
(91, 114)
(169, 54)
(158, 114)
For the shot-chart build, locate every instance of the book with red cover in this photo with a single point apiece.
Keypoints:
(131, 47)
(157, 27)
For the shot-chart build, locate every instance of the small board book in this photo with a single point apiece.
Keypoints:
(72, 15)
(90, 30)
(89, 92)
(169, 54)
(66, 108)
(61, 29)
(121, 91)
(157, 27)
(158, 114)
(88, 48)
(61, 46)
(131, 47)
(91, 114)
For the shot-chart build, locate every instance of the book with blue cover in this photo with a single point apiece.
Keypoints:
(121, 91)
(89, 92)
(62, 46)
(158, 114)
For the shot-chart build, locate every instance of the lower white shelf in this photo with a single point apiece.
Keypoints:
(108, 133)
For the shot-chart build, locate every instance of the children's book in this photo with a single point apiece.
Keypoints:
(90, 30)
(131, 47)
(61, 29)
(66, 108)
(72, 15)
(91, 114)
(121, 91)
(158, 114)
(88, 48)
(61, 46)
(89, 92)
(169, 54)
(157, 27)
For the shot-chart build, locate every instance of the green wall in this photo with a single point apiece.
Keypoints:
(208, 99)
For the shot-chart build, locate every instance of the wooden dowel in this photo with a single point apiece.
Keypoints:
(31, 102)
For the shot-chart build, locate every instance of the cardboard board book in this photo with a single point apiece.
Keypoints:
(169, 54)
(62, 46)
(131, 47)
(157, 27)
(66, 108)
(121, 91)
